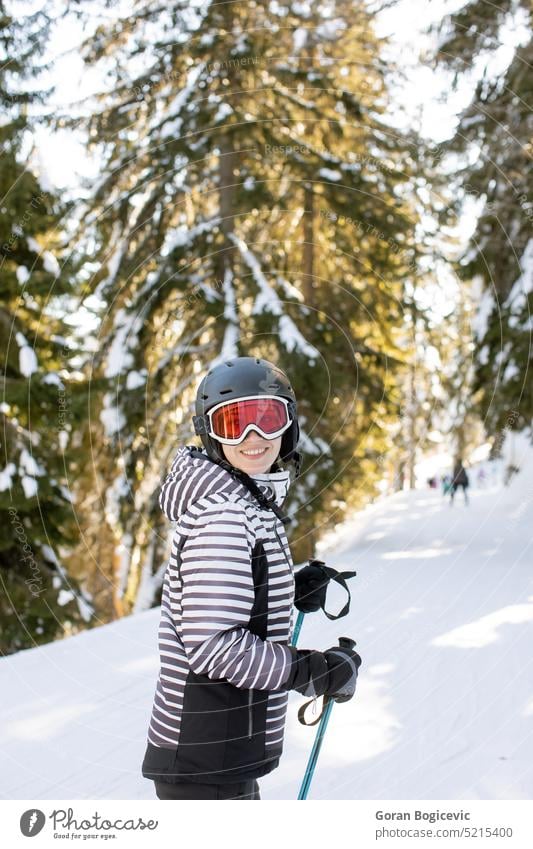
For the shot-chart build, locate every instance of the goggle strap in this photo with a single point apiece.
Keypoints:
(201, 425)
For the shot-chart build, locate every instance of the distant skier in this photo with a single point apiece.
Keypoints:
(459, 479)
(446, 484)
(227, 664)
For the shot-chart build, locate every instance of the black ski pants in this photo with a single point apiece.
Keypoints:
(243, 790)
(455, 487)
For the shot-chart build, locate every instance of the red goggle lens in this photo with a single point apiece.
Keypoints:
(231, 420)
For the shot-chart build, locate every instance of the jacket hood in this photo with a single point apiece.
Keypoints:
(193, 475)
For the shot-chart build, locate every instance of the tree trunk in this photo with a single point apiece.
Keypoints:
(412, 429)
(226, 181)
(309, 245)
(309, 197)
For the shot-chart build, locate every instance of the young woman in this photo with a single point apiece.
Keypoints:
(226, 614)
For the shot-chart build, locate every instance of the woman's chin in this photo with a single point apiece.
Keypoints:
(255, 468)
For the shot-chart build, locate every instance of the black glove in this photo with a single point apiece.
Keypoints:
(343, 666)
(311, 585)
(331, 673)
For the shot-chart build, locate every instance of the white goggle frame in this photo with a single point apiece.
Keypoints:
(251, 426)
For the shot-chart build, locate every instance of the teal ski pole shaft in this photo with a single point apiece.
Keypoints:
(320, 732)
(297, 628)
(315, 751)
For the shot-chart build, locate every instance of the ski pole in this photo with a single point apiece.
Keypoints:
(297, 628)
(315, 751)
(344, 642)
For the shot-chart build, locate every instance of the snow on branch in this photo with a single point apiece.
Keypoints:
(120, 243)
(231, 332)
(268, 300)
(183, 235)
(27, 357)
(299, 146)
(172, 123)
(125, 342)
(517, 297)
(315, 445)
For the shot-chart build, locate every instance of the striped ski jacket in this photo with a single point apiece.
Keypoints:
(218, 714)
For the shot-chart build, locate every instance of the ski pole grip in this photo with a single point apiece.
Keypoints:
(347, 643)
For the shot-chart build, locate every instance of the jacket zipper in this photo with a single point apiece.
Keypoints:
(291, 570)
(282, 547)
(250, 714)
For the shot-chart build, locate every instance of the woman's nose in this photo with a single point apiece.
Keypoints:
(254, 438)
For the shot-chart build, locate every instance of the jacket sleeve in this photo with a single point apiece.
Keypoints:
(217, 600)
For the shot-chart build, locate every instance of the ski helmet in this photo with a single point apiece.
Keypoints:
(238, 378)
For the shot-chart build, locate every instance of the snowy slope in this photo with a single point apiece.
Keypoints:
(442, 613)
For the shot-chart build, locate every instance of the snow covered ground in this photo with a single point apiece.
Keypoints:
(442, 612)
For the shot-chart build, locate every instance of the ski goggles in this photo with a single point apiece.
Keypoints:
(230, 422)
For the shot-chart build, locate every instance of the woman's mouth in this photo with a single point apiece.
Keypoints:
(253, 452)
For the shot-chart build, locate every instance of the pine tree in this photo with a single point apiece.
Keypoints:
(253, 200)
(40, 400)
(493, 137)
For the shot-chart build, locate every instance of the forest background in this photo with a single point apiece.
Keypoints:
(341, 187)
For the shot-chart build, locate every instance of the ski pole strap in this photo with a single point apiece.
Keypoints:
(303, 709)
(339, 578)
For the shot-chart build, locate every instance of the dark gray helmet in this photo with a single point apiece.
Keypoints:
(237, 378)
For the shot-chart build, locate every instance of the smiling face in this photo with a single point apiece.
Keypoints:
(254, 455)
